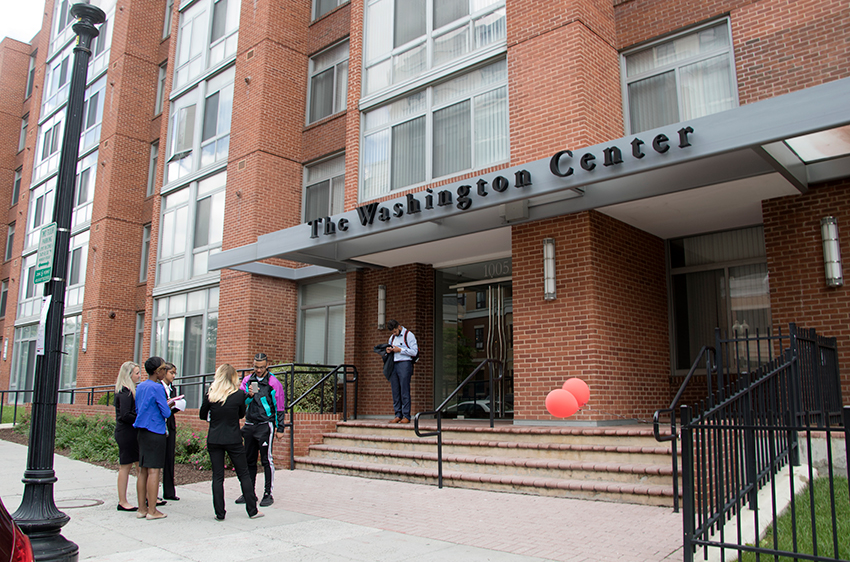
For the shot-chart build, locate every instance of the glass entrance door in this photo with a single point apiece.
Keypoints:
(475, 322)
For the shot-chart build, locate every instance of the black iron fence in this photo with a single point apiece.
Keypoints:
(742, 466)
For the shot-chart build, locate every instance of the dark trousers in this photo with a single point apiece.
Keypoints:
(258, 440)
(400, 383)
(168, 490)
(236, 452)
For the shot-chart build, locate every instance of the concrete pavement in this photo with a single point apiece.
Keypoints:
(323, 517)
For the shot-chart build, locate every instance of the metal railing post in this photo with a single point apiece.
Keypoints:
(687, 485)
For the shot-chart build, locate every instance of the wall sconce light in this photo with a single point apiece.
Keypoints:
(549, 269)
(831, 252)
(382, 307)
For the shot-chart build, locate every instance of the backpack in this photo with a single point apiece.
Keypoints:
(415, 358)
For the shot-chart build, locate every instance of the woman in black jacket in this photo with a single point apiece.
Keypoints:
(223, 407)
(125, 433)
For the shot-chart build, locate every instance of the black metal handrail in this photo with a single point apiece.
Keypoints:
(438, 413)
(709, 353)
(4, 395)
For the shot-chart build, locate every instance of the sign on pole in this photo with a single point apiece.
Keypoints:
(46, 247)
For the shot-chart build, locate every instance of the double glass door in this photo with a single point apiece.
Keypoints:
(475, 322)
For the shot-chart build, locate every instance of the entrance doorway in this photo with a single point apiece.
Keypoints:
(474, 322)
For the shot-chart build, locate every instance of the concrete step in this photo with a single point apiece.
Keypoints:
(646, 494)
(599, 452)
(537, 468)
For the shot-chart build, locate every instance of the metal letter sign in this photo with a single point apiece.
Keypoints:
(46, 245)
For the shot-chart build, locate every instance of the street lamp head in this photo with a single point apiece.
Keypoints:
(88, 14)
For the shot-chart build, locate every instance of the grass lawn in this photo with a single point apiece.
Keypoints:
(9, 412)
(823, 524)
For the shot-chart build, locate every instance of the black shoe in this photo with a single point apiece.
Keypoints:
(122, 508)
(160, 501)
(240, 499)
(267, 500)
(172, 498)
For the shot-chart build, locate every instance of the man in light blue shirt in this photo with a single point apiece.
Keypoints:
(405, 354)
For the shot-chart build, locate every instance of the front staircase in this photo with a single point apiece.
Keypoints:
(623, 464)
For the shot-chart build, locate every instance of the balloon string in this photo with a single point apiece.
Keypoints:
(613, 414)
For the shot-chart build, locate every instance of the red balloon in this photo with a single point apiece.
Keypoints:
(579, 389)
(561, 404)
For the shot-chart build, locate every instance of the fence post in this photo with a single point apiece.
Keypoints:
(688, 492)
(793, 437)
(750, 446)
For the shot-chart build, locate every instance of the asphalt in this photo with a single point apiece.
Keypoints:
(331, 518)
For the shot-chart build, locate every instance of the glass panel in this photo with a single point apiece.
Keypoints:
(464, 85)
(694, 44)
(718, 247)
(212, 329)
(180, 227)
(321, 95)
(700, 306)
(409, 64)
(410, 18)
(202, 222)
(160, 342)
(216, 232)
(447, 11)
(379, 17)
(376, 164)
(491, 128)
(219, 20)
(340, 101)
(185, 129)
(194, 346)
(706, 87)
(337, 195)
(749, 296)
(653, 103)
(325, 6)
(336, 335)
(317, 200)
(177, 305)
(210, 117)
(378, 76)
(213, 295)
(326, 292)
(452, 139)
(209, 184)
(196, 300)
(490, 29)
(408, 153)
(175, 341)
(451, 45)
(313, 348)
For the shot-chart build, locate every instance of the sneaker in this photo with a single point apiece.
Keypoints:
(240, 499)
(267, 500)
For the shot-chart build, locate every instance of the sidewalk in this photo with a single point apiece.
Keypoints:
(323, 517)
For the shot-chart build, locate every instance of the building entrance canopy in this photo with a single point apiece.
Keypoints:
(799, 138)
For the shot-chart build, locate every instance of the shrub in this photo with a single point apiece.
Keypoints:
(191, 449)
(305, 377)
(23, 425)
(87, 438)
(106, 399)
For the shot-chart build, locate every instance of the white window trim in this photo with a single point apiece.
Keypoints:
(307, 183)
(313, 73)
(624, 81)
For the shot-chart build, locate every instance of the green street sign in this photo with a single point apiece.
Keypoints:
(46, 247)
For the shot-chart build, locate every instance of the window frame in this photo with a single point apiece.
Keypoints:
(22, 139)
(16, 186)
(46, 191)
(315, 13)
(31, 76)
(333, 180)
(4, 296)
(326, 306)
(152, 165)
(337, 105)
(82, 210)
(159, 104)
(675, 66)
(10, 241)
(146, 250)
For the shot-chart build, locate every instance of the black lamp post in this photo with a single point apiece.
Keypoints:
(38, 515)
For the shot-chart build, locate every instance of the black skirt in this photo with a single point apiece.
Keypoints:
(128, 443)
(151, 449)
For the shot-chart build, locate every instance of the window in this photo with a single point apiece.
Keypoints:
(40, 211)
(70, 352)
(23, 366)
(30, 76)
(138, 351)
(10, 241)
(84, 191)
(4, 296)
(100, 47)
(682, 78)
(78, 253)
(480, 300)
(718, 280)
(16, 188)
(166, 24)
(200, 124)
(22, 140)
(184, 333)
(152, 168)
(324, 193)
(160, 89)
(322, 322)
(191, 229)
(48, 147)
(203, 44)
(452, 127)
(29, 300)
(62, 20)
(405, 38)
(146, 250)
(328, 82)
(322, 7)
(57, 81)
(92, 115)
(479, 337)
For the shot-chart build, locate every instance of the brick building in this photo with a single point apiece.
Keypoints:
(259, 175)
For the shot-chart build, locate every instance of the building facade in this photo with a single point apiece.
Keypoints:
(582, 188)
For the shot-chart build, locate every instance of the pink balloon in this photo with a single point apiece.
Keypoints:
(561, 404)
(579, 389)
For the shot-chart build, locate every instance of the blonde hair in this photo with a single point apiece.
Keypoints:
(124, 380)
(224, 384)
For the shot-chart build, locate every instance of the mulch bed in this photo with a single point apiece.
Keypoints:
(183, 473)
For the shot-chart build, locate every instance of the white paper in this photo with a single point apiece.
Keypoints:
(180, 404)
(42, 324)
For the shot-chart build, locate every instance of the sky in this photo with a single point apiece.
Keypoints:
(21, 19)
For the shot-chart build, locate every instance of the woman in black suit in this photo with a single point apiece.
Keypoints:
(223, 407)
(125, 433)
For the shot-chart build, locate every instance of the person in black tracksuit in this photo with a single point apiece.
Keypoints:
(266, 402)
(168, 491)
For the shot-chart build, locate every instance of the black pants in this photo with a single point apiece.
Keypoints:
(258, 439)
(236, 452)
(168, 490)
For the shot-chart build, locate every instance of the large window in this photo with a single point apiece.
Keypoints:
(78, 253)
(30, 76)
(10, 241)
(324, 190)
(146, 249)
(154, 160)
(29, 300)
(322, 318)
(185, 328)
(40, 211)
(92, 115)
(406, 38)
(191, 229)
(322, 7)
(84, 191)
(16, 187)
(23, 366)
(166, 24)
(209, 32)
(62, 20)
(719, 280)
(138, 351)
(682, 78)
(4, 296)
(449, 128)
(328, 82)
(22, 139)
(49, 145)
(160, 89)
(57, 80)
(200, 126)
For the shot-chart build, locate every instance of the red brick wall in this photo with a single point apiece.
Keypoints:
(798, 291)
(607, 324)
